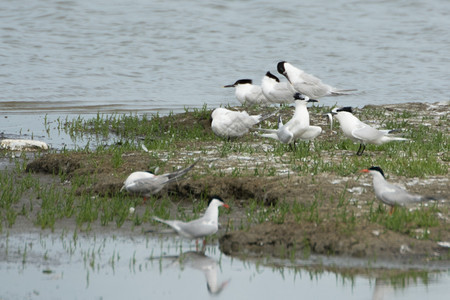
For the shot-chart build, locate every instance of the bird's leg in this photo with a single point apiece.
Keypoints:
(204, 246)
(391, 211)
(364, 148)
(361, 149)
(144, 199)
(293, 146)
(196, 245)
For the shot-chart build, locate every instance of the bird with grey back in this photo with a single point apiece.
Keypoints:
(202, 227)
(248, 93)
(275, 91)
(390, 194)
(232, 124)
(298, 127)
(145, 183)
(308, 84)
(360, 132)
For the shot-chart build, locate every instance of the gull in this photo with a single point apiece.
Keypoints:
(297, 128)
(360, 132)
(276, 91)
(231, 124)
(390, 194)
(207, 225)
(248, 93)
(307, 84)
(146, 183)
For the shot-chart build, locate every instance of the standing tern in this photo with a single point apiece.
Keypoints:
(360, 132)
(231, 124)
(207, 225)
(276, 91)
(146, 183)
(248, 93)
(307, 84)
(297, 128)
(390, 194)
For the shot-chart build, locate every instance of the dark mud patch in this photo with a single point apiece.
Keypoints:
(299, 240)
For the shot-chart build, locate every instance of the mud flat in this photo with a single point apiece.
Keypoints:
(286, 203)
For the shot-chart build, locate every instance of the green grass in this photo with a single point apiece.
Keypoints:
(164, 136)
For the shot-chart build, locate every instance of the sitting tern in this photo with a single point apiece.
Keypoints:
(360, 132)
(276, 91)
(297, 128)
(390, 194)
(146, 183)
(231, 124)
(207, 225)
(248, 93)
(307, 84)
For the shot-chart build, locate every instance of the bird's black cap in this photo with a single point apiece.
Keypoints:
(346, 108)
(215, 197)
(240, 81)
(268, 74)
(372, 168)
(299, 96)
(280, 67)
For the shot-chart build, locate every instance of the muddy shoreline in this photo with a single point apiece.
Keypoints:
(334, 221)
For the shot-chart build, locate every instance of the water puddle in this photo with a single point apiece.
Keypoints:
(41, 265)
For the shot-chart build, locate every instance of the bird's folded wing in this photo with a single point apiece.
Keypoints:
(310, 79)
(367, 133)
(148, 184)
(395, 195)
(198, 228)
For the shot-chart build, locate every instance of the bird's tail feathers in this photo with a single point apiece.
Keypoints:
(175, 175)
(342, 92)
(394, 131)
(280, 122)
(271, 135)
(266, 116)
(428, 198)
(159, 219)
(395, 138)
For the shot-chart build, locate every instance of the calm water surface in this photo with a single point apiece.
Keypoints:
(64, 266)
(71, 57)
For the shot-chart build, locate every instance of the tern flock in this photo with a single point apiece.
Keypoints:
(300, 88)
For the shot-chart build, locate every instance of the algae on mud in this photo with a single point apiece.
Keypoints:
(285, 203)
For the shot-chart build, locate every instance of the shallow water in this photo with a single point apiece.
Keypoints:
(81, 57)
(54, 266)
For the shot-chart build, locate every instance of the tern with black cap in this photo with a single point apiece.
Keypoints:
(390, 194)
(360, 132)
(308, 84)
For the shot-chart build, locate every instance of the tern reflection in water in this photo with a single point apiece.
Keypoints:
(200, 261)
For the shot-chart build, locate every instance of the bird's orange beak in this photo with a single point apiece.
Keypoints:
(226, 206)
(364, 171)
